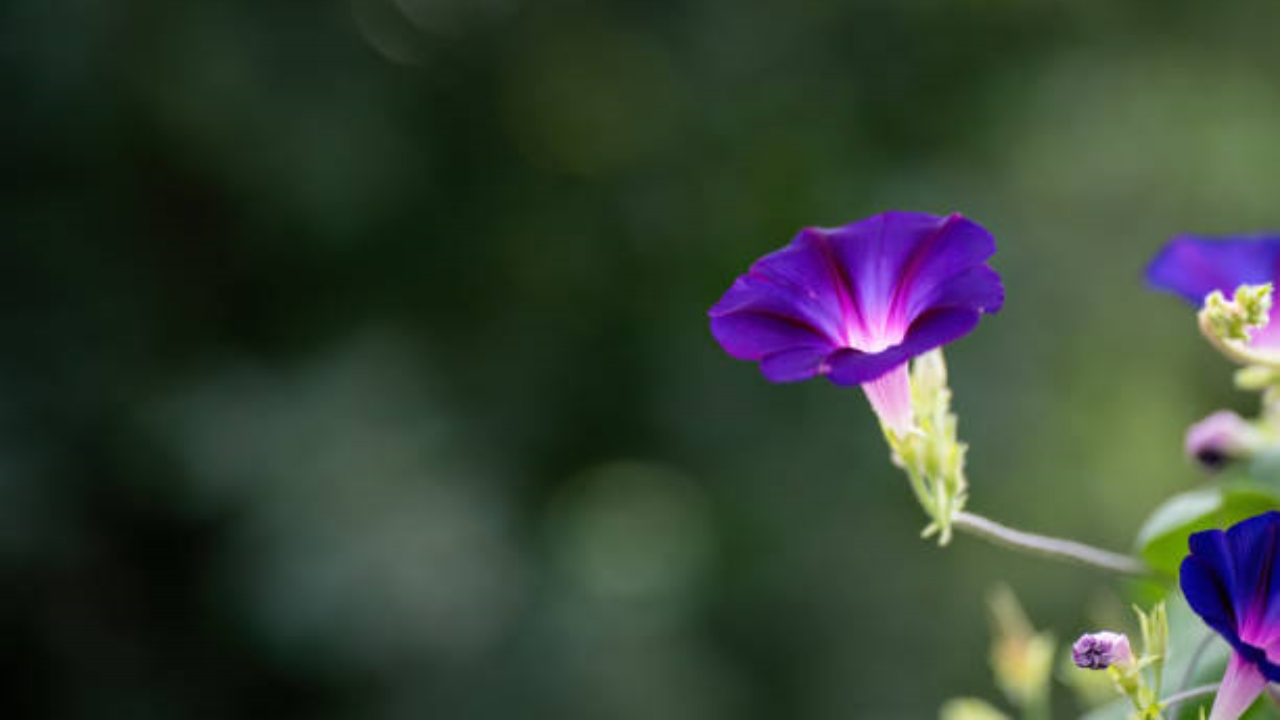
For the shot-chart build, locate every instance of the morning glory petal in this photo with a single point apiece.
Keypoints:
(857, 302)
(794, 364)
(901, 261)
(1192, 267)
(753, 335)
(1208, 595)
(850, 367)
(1230, 580)
(1253, 547)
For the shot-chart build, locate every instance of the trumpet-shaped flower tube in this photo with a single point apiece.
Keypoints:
(856, 303)
(1231, 581)
(1193, 267)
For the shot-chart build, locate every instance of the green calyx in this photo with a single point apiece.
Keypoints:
(929, 453)
(1140, 679)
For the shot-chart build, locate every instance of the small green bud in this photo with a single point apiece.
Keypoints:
(1256, 378)
(1155, 631)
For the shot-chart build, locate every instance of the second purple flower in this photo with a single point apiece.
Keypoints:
(856, 303)
(1193, 267)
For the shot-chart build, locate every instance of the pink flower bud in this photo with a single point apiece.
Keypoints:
(1101, 650)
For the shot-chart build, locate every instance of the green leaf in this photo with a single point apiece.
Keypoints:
(1162, 541)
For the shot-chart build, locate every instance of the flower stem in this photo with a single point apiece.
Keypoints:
(1170, 703)
(1043, 545)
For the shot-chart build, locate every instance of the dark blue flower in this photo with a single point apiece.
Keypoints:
(1193, 267)
(1229, 582)
(855, 303)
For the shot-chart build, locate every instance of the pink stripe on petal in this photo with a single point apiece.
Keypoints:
(856, 301)
(890, 396)
(1241, 685)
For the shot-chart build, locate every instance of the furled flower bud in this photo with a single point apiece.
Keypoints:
(1101, 650)
(1221, 438)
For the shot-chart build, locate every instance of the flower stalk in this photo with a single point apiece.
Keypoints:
(1171, 703)
(1046, 546)
(933, 458)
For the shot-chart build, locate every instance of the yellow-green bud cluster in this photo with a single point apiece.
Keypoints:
(930, 453)
(1234, 319)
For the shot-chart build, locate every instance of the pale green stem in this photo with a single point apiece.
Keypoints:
(1171, 703)
(1069, 550)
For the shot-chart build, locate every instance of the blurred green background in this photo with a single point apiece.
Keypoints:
(355, 360)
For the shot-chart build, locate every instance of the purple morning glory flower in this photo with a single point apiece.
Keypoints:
(855, 303)
(1229, 582)
(1193, 267)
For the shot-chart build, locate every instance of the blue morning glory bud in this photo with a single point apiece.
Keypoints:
(1101, 650)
